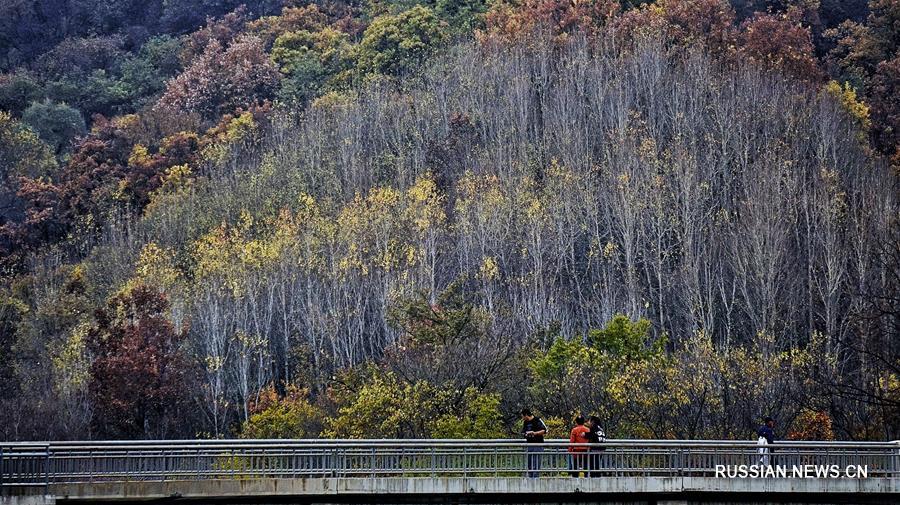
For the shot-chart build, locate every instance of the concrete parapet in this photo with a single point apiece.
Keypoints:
(28, 500)
(659, 489)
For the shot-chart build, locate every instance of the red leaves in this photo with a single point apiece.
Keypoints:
(562, 17)
(223, 79)
(103, 173)
(885, 97)
(709, 21)
(139, 372)
(781, 42)
(777, 42)
(221, 31)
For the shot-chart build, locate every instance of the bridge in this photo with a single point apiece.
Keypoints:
(446, 471)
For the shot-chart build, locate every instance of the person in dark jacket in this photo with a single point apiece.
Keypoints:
(595, 435)
(533, 429)
(766, 437)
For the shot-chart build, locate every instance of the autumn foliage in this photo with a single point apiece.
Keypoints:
(812, 425)
(516, 21)
(223, 78)
(139, 371)
(270, 220)
(782, 43)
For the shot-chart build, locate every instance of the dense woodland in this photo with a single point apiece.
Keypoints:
(404, 218)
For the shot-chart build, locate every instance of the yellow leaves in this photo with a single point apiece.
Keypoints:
(889, 384)
(214, 363)
(128, 121)
(177, 180)
(489, 269)
(231, 254)
(401, 408)
(647, 150)
(535, 210)
(384, 230)
(71, 365)
(139, 156)
(237, 129)
(483, 191)
(633, 383)
(156, 266)
(333, 100)
(307, 208)
(556, 171)
(177, 177)
(609, 250)
(382, 198)
(387, 229)
(557, 427)
(846, 95)
(240, 126)
(424, 204)
(601, 252)
(367, 227)
(208, 252)
(837, 198)
(292, 416)
(249, 344)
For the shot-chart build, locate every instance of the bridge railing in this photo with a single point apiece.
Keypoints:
(43, 464)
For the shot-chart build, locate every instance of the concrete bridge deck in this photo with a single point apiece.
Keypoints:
(446, 471)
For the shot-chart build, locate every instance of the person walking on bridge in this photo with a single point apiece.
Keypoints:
(533, 429)
(766, 437)
(578, 453)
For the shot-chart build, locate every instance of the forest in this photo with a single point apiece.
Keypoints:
(282, 218)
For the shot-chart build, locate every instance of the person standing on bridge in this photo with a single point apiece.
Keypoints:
(595, 435)
(766, 437)
(533, 429)
(578, 453)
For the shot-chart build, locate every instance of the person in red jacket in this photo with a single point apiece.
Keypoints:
(578, 454)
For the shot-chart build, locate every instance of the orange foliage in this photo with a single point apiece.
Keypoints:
(270, 397)
(781, 42)
(220, 30)
(506, 22)
(710, 22)
(811, 425)
(308, 18)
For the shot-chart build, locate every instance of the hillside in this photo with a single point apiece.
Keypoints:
(680, 215)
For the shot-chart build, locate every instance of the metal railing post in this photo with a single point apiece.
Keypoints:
(895, 457)
(496, 463)
(433, 463)
(332, 467)
(47, 471)
(465, 462)
(342, 462)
